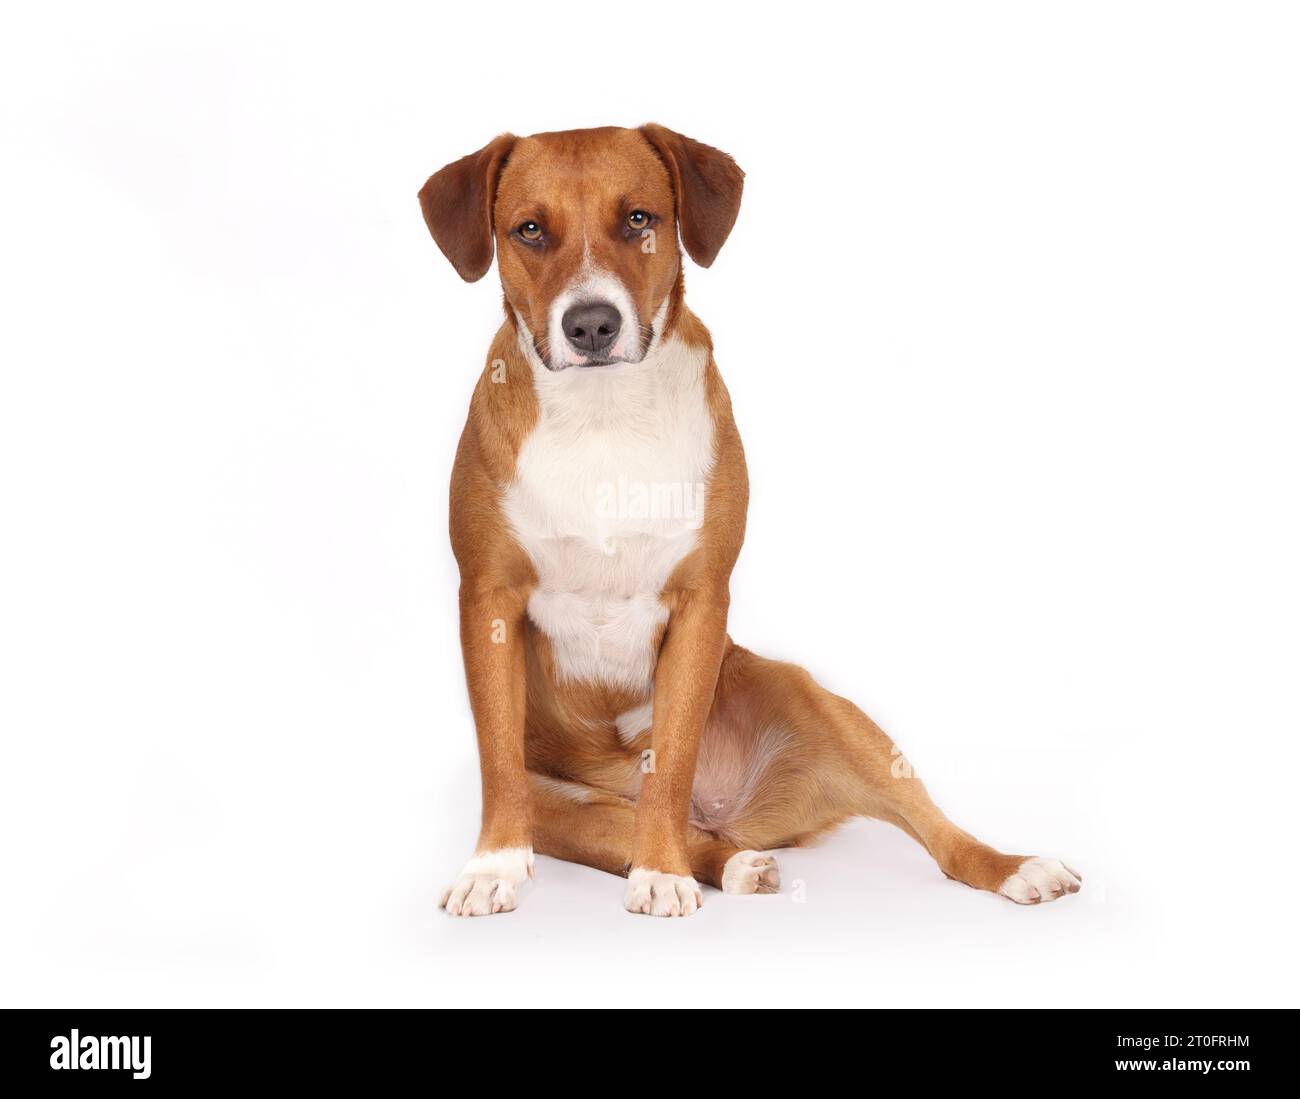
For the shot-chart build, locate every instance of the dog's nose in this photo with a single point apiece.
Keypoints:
(591, 327)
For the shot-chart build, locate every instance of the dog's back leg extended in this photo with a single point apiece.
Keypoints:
(817, 760)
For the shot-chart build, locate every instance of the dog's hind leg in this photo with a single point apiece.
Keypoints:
(579, 823)
(821, 760)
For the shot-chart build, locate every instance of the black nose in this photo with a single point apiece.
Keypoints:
(592, 327)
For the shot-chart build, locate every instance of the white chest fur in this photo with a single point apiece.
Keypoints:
(608, 497)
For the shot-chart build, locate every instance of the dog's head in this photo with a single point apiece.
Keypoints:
(586, 225)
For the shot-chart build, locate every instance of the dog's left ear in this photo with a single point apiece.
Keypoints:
(707, 184)
(457, 203)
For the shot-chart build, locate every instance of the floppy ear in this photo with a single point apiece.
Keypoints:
(457, 203)
(707, 183)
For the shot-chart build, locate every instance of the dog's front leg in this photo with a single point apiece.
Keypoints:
(686, 676)
(492, 640)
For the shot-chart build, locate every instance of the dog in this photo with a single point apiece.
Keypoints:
(598, 503)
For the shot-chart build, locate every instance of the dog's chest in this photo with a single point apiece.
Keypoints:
(607, 499)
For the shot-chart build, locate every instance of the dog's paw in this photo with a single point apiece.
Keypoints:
(489, 883)
(751, 872)
(1037, 880)
(657, 894)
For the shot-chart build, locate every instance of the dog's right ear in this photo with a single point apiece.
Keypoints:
(457, 203)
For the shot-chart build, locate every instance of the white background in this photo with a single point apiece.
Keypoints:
(1009, 321)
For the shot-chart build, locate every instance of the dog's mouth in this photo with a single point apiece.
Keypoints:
(588, 362)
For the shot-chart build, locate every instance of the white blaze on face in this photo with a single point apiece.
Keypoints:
(593, 284)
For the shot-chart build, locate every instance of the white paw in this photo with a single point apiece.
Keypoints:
(1039, 880)
(751, 872)
(658, 894)
(490, 882)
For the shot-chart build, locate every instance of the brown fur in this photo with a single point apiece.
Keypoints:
(749, 753)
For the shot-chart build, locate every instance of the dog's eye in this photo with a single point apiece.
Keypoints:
(530, 230)
(638, 219)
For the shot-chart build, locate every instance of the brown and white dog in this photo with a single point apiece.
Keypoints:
(597, 507)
